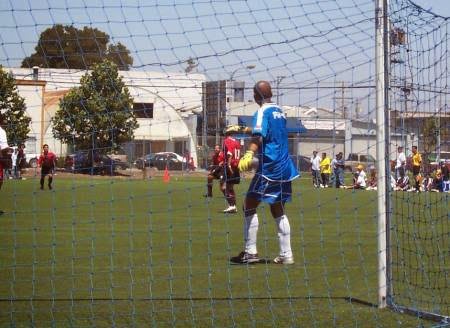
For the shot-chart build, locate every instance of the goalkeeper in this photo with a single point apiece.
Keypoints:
(272, 182)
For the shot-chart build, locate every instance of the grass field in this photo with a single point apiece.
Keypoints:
(102, 252)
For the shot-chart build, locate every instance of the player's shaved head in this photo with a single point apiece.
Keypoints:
(262, 92)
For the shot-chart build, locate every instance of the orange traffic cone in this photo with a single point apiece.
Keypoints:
(166, 177)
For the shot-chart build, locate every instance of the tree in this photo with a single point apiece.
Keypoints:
(430, 133)
(13, 109)
(98, 114)
(62, 46)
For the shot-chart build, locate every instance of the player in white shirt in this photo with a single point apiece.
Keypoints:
(4, 151)
(400, 163)
(315, 169)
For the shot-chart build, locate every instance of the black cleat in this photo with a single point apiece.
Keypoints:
(244, 258)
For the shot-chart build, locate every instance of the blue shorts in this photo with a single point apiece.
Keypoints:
(270, 192)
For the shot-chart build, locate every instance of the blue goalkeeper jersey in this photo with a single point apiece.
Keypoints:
(275, 164)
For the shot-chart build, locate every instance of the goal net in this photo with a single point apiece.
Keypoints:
(419, 114)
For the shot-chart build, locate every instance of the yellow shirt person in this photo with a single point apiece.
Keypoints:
(416, 159)
(416, 162)
(325, 170)
(325, 165)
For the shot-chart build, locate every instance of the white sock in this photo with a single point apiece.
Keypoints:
(284, 235)
(251, 225)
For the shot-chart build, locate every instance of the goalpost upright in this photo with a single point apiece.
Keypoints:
(382, 146)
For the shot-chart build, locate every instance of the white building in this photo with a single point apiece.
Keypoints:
(172, 102)
(326, 131)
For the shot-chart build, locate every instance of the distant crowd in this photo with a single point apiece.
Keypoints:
(327, 172)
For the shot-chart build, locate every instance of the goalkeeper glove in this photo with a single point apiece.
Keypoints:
(235, 129)
(245, 163)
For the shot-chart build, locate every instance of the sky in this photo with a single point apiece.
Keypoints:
(294, 42)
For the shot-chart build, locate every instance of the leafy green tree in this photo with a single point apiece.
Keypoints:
(98, 114)
(62, 46)
(13, 109)
(430, 134)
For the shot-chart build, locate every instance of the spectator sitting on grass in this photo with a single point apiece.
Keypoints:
(359, 180)
(427, 183)
(402, 183)
(438, 185)
(372, 182)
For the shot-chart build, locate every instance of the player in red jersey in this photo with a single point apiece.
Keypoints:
(47, 162)
(215, 169)
(231, 176)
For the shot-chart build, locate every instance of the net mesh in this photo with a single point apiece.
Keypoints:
(133, 242)
(420, 115)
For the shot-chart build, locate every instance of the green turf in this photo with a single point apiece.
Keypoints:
(103, 252)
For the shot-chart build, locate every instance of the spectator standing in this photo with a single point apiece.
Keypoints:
(400, 163)
(4, 152)
(186, 159)
(315, 169)
(333, 178)
(14, 167)
(21, 160)
(416, 163)
(325, 170)
(47, 162)
(338, 170)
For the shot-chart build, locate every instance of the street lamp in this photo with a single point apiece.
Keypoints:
(230, 88)
(237, 69)
(279, 79)
(230, 80)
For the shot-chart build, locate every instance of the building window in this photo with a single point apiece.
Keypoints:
(143, 110)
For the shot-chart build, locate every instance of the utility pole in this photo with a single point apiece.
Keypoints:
(406, 92)
(218, 113)
(342, 100)
(278, 81)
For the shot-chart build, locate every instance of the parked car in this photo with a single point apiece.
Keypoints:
(176, 156)
(174, 161)
(121, 157)
(144, 161)
(80, 163)
(354, 159)
(32, 159)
